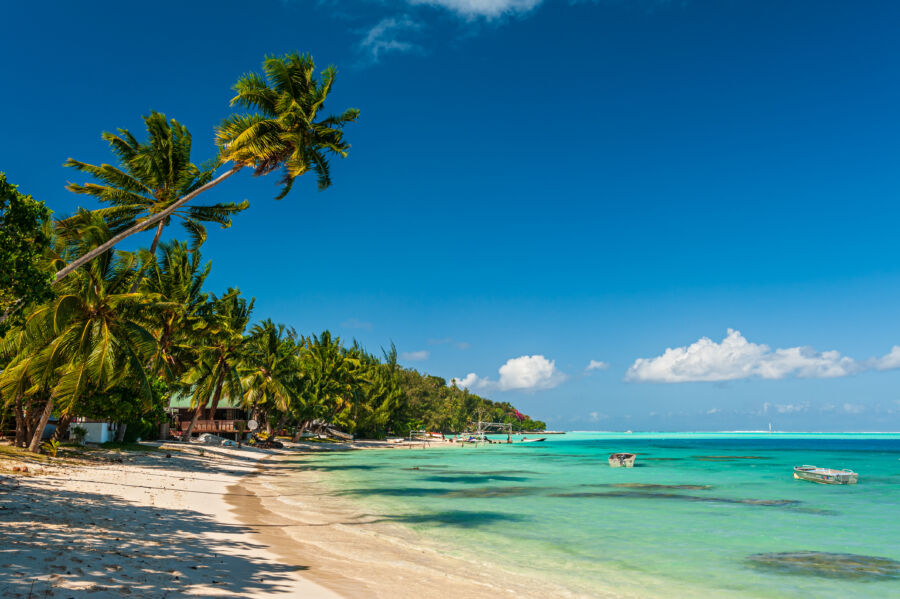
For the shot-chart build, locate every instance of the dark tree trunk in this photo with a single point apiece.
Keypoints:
(303, 426)
(120, 432)
(35, 444)
(201, 405)
(21, 432)
(62, 428)
(281, 423)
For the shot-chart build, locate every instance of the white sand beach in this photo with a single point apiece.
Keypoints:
(148, 526)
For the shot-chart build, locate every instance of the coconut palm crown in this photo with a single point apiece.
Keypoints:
(150, 177)
(283, 132)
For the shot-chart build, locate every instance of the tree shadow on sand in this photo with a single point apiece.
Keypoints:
(78, 544)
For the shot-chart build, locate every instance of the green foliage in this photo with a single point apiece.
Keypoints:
(24, 276)
(150, 177)
(79, 433)
(283, 132)
(50, 447)
(435, 406)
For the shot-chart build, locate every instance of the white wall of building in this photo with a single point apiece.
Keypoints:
(97, 432)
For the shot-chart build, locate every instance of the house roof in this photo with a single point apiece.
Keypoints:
(180, 400)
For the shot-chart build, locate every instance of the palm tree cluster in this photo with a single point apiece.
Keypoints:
(125, 330)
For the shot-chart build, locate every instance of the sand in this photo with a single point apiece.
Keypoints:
(150, 526)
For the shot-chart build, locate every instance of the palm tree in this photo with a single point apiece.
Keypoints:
(284, 133)
(150, 178)
(270, 373)
(90, 336)
(219, 359)
(179, 322)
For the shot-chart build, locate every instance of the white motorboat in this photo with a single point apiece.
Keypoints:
(622, 460)
(825, 476)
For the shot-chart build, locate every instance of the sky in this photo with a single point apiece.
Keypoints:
(615, 214)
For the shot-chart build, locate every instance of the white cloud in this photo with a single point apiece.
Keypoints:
(736, 358)
(384, 37)
(525, 373)
(470, 381)
(889, 361)
(597, 416)
(854, 408)
(529, 372)
(488, 9)
(596, 365)
(713, 411)
(414, 355)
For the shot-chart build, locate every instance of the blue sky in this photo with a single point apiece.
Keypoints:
(536, 185)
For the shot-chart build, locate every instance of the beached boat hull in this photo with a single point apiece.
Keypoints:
(622, 460)
(825, 476)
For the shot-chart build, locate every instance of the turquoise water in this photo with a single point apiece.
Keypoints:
(683, 523)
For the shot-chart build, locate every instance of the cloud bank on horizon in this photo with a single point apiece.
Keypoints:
(736, 358)
(525, 373)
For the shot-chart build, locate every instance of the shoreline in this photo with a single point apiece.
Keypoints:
(358, 553)
(138, 524)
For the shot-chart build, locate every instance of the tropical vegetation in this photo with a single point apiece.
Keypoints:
(115, 334)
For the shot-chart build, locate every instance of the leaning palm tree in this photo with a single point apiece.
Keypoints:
(283, 133)
(150, 177)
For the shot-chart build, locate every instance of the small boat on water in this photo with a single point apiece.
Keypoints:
(825, 476)
(622, 460)
(527, 440)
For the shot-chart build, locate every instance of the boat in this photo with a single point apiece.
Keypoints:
(538, 440)
(622, 460)
(825, 476)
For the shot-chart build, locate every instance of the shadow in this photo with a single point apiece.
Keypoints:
(458, 518)
(792, 504)
(475, 492)
(474, 478)
(83, 544)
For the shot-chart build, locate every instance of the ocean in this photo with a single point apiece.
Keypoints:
(701, 514)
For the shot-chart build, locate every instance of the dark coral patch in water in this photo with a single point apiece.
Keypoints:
(679, 497)
(517, 491)
(828, 565)
(475, 478)
(729, 457)
(652, 486)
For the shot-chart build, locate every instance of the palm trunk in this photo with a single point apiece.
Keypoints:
(143, 226)
(62, 428)
(281, 423)
(41, 425)
(140, 275)
(21, 432)
(201, 405)
(120, 432)
(303, 426)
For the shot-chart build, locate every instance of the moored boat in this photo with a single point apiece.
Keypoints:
(622, 460)
(825, 476)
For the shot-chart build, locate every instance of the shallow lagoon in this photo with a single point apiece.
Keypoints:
(700, 516)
